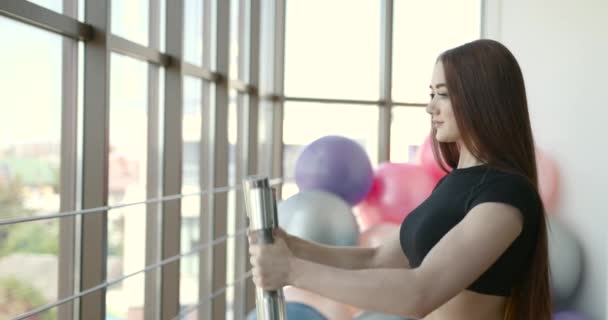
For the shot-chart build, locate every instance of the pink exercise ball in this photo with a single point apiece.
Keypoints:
(548, 180)
(366, 218)
(398, 188)
(425, 158)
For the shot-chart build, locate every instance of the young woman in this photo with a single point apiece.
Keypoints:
(476, 249)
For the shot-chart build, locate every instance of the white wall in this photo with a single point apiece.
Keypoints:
(562, 47)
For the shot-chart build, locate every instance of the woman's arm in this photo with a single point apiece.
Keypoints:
(387, 255)
(459, 258)
(335, 256)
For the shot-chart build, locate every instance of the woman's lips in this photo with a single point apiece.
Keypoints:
(437, 124)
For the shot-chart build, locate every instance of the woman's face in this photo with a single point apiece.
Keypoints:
(440, 108)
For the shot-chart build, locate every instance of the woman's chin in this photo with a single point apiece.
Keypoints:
(444, 139)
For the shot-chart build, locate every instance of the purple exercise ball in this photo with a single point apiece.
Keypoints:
(335, 164)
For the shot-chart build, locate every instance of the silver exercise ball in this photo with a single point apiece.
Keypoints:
(566, 261)
(319, 216)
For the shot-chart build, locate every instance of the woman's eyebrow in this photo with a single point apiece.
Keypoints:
(437, 86)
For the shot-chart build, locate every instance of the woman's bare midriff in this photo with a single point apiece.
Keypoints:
(469, 305)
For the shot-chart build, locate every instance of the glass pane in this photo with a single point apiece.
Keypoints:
(130, 20)
(193, 31)
(191, 135)
(132, 285)
(307, 122)
(446, 24)
(127, 184)
(55, 5)
(81, 10)
(234, 39)
(232, 194)
(265, 138)
(30, 146)
(409, 128)
(163, 25)
(332, 49)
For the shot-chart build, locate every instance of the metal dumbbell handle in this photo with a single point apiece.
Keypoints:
(262, 218)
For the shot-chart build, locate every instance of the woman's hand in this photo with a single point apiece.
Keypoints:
(289, 239)
(272, 263)
(277, 232)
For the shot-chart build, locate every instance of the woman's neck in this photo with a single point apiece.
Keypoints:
(467, 159)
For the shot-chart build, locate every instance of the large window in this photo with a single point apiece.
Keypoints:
(122, 114)
(30, 166)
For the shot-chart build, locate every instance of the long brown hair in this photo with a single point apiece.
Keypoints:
(488, 96)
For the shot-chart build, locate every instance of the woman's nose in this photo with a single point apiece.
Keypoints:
(430, 107)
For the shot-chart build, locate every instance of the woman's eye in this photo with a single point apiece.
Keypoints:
(443, 95)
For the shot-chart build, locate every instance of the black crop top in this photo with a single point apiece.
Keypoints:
(456, 194)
